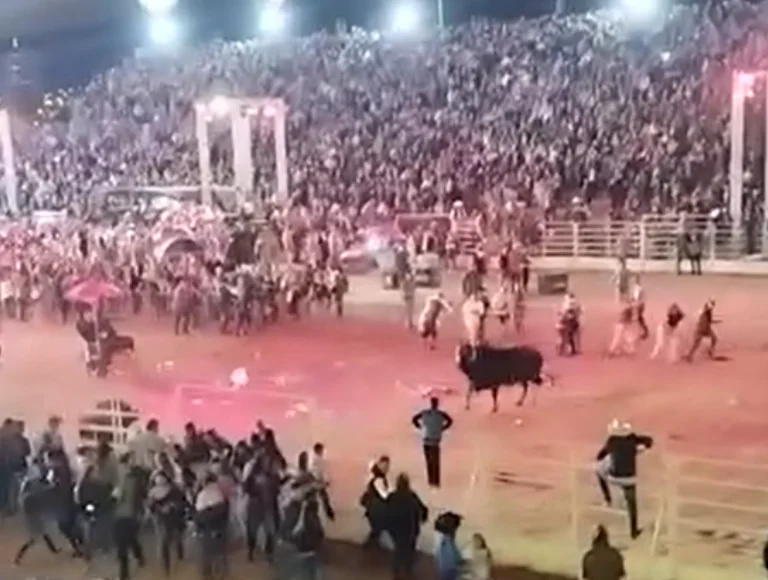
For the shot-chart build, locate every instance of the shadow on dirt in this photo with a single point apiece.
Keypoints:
(347, 560)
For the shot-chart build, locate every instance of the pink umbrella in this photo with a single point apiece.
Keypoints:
(92, 290)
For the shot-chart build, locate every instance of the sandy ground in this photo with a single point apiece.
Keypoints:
(355, 383)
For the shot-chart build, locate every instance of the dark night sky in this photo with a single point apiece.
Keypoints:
(70, 56)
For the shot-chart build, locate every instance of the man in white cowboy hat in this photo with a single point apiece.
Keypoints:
(617, 464)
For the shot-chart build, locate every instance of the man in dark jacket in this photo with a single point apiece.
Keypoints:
(211, 520)
(301, 531)
(617, 464)
(407, 513)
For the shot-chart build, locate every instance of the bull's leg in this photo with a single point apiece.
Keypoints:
(495, 397)
(524, 394)
(468, 399)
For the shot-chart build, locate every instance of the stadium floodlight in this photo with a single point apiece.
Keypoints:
(405, 18)
(164, 30)
(158, 6)
(641, 11)
(273, 19)
(219, 106)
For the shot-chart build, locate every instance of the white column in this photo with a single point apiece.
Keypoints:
(241, 148)
(9, 163)
(204, 154)
(281, 153)
(764, 225)
(736, 189)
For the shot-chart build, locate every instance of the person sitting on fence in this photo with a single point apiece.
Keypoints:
(617, 464)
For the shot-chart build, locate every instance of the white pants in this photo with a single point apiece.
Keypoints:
(623, 340)
(666, 339)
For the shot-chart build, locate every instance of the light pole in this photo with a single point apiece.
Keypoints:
(9, 163)
(440, 15)
(240, 112)
(743, 88)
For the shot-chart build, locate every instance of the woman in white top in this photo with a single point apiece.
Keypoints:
(479, 560)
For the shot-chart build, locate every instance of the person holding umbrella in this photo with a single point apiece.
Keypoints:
(101, 338)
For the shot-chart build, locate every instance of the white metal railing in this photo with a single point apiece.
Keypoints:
(650, 238)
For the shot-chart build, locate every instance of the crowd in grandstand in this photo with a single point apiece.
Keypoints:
(544, 109)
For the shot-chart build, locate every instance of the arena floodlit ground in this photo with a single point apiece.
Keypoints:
(354, 384)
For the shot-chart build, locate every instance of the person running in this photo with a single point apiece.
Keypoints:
(430, 316)
(704, 329)
(667, 334)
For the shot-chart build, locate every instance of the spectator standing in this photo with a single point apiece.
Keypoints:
(448, 559)
(602, 561)
(317, 468)
(94, 494)
(407, 513)
(169, 507)
(301, 531)
(65, 510)
(50, 439)
(34, 507)
(374, 500)
(145, 446)
(432, 423)
(15, 452)
(129, 499)
(211, 522)
(479, 561)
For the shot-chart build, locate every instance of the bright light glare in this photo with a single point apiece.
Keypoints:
(746, 84)
(158, 6)
(405, 18)
(164, 31)
(641, 11)
(273, 20)
(219, 106)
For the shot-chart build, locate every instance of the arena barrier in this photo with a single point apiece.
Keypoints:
(651, 245)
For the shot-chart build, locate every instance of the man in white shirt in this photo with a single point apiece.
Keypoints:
(317, 468)
(147, 445)
(50, 439)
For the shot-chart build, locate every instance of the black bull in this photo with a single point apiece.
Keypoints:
(490, 368)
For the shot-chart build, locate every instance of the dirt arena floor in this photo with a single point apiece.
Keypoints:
(354, 384)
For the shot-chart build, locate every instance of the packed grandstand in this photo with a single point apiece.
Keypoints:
(539, 110)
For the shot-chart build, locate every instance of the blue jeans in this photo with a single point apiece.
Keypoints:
(291, 565)
(12, 497)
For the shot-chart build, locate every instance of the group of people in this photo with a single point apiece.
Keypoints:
(631, 325)
(486, 112)
(104, 500)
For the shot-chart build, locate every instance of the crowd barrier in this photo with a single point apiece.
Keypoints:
(651, 244)
(538, 506)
